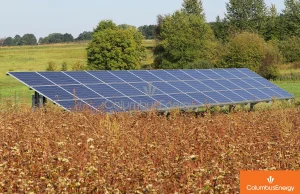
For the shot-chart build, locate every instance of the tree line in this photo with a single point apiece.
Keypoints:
(30, 39)
(250, 35)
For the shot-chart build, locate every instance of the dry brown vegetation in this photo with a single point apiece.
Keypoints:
(50, 151)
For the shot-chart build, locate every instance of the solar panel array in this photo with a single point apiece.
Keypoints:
(111, 91)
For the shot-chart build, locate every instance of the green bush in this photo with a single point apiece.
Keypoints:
(52, 66)
(78, 66)
(249, 50)
(290, 49)
(64, 66)
(244, 50)
(272, 58)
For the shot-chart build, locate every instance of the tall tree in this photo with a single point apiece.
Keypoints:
(68, 37)
(84, 36)
(272, 26)
(247, 15)
(193, 7)
(113, 48)
(292, 17)
(221, 29)
(8, 41)
(28, 39)
(184, 38)
(17, 40)
(147, 31)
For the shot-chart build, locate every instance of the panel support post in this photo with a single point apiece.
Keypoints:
(38, 101)
(252, 106)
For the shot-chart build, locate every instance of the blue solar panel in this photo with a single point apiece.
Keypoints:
(233, 96)
(225, 74)
(258, 95)
(147, 88)
(198, 86)
(167, 101)
(163, 75)
(186, 100)
(105, 76)
(237, 73)
(203, 99)
(165, 87)
(183, 87)
(196, 75)
(146, 76)
(265, 82)
(104, 105)
(228, 84)
(209, 73)
(58, 78)
(54, 93)
(241, 83)
(81, 91)
(180, 75)
(31, 78)
(282, 92)
(248, 72)
(83, 77)
(214, 85)
(127, 89)
(218, 97)
(253, 83)
(105, 90)
(142, 90)
(272, 93)
(126, 76)
(246, 95)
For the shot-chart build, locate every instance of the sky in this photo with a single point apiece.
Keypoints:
(42, 17)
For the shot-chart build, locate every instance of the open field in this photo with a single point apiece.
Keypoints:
(59, 152)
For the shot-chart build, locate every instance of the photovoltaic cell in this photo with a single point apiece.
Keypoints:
(55, 93)
(127, 89)
(163, 75)
(58, 78)
(83, 77)
(126, 76)
(112, 91)
(183, 87)
(105, 90)
(31, 78)
(196, 75)
(81, 91)
(105, 76)
(209, 73)
(180, 75)
(146, 76)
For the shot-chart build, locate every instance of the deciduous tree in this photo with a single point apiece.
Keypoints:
(113, 48)
(184, 38)
(247, 15)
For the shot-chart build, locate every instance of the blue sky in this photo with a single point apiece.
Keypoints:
(42, 17)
